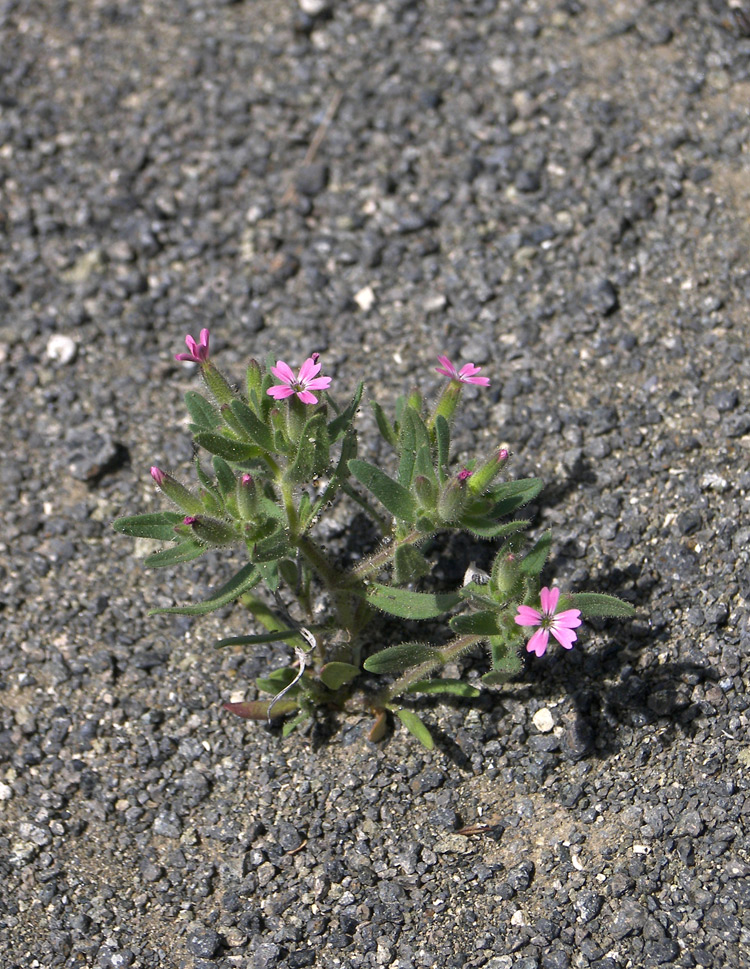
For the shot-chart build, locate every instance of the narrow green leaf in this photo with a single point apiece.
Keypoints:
(533, 563)
(489, 528)
(452, 687)
(410, 605)
(340, 424)
(255, 429)
(596, 604)
(389, 493)
(416, 728)
(313, 451)
(158, 525)
(475, 624)
(497, 678)
(396, 659)
(291, 725)
(409, 565)
(407, 444)
(335, 675)
(384, 425)
(183, 552)
(258, 709)
(271, 549)
(204, 414)
(241, 582)
(443, 437)
(277, 681)
(514, 494)
(224, 447)
(225, 476)
(423, 463)
(280, 636)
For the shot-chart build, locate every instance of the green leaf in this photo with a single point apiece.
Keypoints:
(278, 636)
(489, 528)
(533, 563)
(497, 678)
(251, 424)
(158, 525)
(594, 604)
(384, 425)
(407, 444)
(241, 582)
(340, 424)
(313, 451)
(452, 687)
(514, 494)
(410, 605)
(335, 675)
(225, 448)
(416, 728)
(409, 565)
(277, 681)
(396, 659)
(443, 437)
(183, 552)
(225, 476)
(205, 416)
(475, 624)
(258, 709)
(271, 549)
(389, 493)
(506, 659)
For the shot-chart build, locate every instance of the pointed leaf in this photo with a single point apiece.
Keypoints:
(335, 675)
(533, 563)
(271, 549)
(410, 605)
(384, 425)
(252, 425)
(489, 528)
(396, 659)
(452, 687)
(241, 582)
(291, 725)
(277, 681)
(339, 424)
(409, 565)
(313, 451)
(443, 437)
(416, 728)
(594, 604)
(475, 624)
(389, 493)
(506, 657)
(280, 636)
(224, 447)
(258, 709)
(205, 416)
(158, 525)
(378, 729)
(514, 494)
(175, 555)
(225, 476)
(407, 444)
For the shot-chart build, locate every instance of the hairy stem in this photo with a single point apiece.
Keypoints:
(454, 649)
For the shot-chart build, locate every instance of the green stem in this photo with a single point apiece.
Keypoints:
(385, 553)
(454, 649)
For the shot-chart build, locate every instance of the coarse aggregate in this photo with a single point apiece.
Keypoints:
(556, 190)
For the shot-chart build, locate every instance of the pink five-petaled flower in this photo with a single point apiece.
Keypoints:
(301, 385)
(198, 351)
(466, 375)
(560, 624)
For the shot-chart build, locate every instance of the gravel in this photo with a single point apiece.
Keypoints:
(554, 190)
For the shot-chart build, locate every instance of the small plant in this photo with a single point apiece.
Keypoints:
(282, 452)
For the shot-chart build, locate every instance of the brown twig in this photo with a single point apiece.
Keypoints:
(316, 142)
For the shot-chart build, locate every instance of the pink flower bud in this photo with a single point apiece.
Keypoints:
(158, 475)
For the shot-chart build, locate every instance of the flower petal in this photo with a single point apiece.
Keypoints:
(481, 381)
(308, 370)
(549, 599)
(538, 642)
(527, 616)
(306, 397)
(570, 619)
(565, 637)
(280, 391)
(446, 367)
(318, 383)
(283, 372)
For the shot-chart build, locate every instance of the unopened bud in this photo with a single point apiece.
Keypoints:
(247, 497)
(506, 576)
(211, 530)
(486, 474)
(452, 500)
(217, 384)
(185, 500)
(425, 492)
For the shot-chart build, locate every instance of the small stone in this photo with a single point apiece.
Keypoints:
(62, 349)
(312, 179)
(365, 298)
(266, 955)
(313, 8)
(204, 943)
(543, 720)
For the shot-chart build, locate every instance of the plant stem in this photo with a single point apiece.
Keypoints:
(386, 552)
(454, 649)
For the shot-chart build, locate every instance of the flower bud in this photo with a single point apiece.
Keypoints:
(217, 384)
(211, 530)
(486, 474)
(247, 497)
(452, 499)
(506, 576)
(185, 500)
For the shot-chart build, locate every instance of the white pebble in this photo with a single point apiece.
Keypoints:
(365, 298)
(61, 348)
(543, 720)
(313, 7)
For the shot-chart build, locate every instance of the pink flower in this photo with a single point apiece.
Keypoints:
(198, 351)
(158, 475)
(464, 475)
(301, 385)
(466, 375)
(560, 624)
